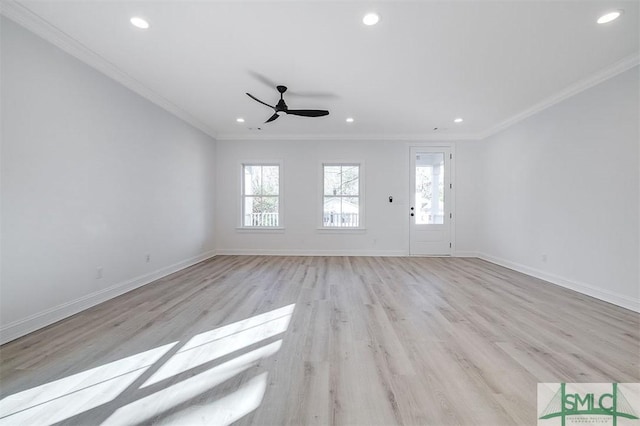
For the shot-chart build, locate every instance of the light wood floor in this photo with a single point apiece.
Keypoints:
(319, 340)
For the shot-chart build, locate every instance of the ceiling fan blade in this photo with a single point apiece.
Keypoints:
(263, 79)
(317, 95)
(273, 117)
(308, 112)
(270, 83)
(258, 100)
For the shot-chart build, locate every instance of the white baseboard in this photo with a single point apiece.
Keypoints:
(42, 319)
(607, 296)
(289, 252)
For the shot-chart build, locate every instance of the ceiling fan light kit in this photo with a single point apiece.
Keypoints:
(281, 107)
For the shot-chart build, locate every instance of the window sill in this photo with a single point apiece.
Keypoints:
(257, 229)
(337, 230)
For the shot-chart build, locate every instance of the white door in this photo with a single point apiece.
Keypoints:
(430, 202)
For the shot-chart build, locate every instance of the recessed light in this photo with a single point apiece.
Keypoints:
(458, 120)
(608, 17)
(240, 120)
(349, 120)
(139, 23)
(370, 19)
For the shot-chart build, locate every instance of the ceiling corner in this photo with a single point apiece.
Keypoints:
(23, 16)
(569, 91)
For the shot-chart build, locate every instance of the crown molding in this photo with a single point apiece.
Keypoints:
(34, 23)
(25, 17)
(348, 137)
(572, 90)
(22, 15)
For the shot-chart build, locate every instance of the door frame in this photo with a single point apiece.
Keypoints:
(451, 146)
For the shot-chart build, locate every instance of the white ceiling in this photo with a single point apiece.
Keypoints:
(424, 64)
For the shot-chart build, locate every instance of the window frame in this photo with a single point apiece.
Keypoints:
(361, 197)
(242, 196)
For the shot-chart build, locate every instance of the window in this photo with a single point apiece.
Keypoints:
(261, 195)
(341, 200)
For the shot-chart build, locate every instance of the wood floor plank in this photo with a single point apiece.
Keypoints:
(257, 340)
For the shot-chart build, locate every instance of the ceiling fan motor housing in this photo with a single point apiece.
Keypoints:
(281, 106)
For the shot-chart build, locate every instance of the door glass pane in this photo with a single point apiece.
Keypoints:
(429, 188)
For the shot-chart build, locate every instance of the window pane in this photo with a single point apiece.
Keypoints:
(350, 211)
(341, 211)
(331, 211)
(430, 189)
(270, 180)
(252, 180)
(261, 211)
(332, 180)
(341, 180)
(350, 180)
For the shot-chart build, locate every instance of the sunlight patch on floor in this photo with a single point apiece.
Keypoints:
(209, 346)
(66, 397)
(227, 409)
(170, 394)
(142, 410)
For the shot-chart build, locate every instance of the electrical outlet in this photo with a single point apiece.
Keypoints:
(98, 272)
(148, 258)
(544, 258)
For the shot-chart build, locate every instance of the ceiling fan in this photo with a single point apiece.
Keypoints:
(281, 107)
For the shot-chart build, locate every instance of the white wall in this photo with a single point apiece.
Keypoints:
(386, 173)
(92, 175)
(565, 183)
(386, 222)
(468, 193)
